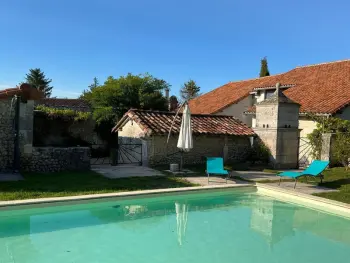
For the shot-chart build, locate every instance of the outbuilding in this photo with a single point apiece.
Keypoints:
(213, 135)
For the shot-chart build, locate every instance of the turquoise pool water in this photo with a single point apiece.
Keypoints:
(227, 226)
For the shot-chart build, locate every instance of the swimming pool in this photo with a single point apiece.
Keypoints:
(211, 226)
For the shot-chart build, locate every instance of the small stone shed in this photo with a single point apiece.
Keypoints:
(213, 135)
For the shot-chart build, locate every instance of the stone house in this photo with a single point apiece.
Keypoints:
(17, 151)
(321, 89)
(214, 135)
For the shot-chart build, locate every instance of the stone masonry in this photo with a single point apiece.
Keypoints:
(237, 149)
(46, 159)
(277, 127)
(52, 159)
(6, 134)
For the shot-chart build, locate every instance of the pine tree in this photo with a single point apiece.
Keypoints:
(264, 70)
(189, 90)
(37, 79)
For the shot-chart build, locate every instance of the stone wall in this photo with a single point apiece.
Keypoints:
(26, 128)
(232, 148)
(51, 159)
(7, 114)
(58, 132)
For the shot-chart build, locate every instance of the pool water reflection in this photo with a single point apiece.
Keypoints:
(226, 226)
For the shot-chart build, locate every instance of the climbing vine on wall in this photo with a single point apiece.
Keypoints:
(64, 113)
(341, 145)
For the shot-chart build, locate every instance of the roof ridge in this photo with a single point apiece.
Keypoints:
(323, 63)
(174, 113)
(61, 99)
(244, 80)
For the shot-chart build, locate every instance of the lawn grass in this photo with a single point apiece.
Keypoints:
(81, 183)
(337, 178)
(334, 178)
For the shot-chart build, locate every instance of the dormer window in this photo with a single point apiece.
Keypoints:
(269, 93)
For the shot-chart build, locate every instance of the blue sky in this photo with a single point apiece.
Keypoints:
(212, 42)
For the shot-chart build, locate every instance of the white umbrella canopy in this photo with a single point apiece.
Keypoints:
(185, 141)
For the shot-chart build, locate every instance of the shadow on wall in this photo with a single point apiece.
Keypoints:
(57, 132)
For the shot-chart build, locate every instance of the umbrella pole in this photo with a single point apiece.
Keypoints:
(181, 160)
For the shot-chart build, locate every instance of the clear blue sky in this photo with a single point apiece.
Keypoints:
(212, 42)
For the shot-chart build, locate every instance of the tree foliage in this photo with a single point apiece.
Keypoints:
(259, 152)
(88, 92)
(94, 84)
(117, 95)
(37, 79)
(189, 90)
(341, 149)
(341, 144)
(264, 69)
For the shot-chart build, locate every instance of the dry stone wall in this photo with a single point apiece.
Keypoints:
(51, 159)
(6, 134)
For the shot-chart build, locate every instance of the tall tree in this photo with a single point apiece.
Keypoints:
(117, 95)
(87, 92)
(264, 69)
(37, 79)
(189, 90)
(94, 84)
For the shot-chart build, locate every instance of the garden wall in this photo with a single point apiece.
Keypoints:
(52, 159)
(60, 132)
(6, 134)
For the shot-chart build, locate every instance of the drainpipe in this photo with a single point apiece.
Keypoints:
(16, 153)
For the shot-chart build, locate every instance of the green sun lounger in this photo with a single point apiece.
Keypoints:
(315, 169)
(215, 165)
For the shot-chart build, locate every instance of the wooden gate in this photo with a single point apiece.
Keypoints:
(129, 151)
(304, 153)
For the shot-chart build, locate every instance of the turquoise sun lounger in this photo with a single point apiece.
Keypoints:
(215, 165)
(315, 169)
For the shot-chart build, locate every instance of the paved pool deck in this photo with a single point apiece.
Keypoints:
(255, 178)
(124, 171)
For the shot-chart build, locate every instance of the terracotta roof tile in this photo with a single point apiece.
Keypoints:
(158, 122)
(73, 104)
(26, 91)
(321, 88)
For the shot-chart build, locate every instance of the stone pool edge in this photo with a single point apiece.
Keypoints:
(119, 194)
(310, 201)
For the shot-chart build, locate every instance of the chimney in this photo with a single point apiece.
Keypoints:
(173, 103)
(167, 91)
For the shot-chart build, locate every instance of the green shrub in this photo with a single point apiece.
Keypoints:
(259, 152)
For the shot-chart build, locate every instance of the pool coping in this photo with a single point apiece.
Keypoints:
(307, 200)
(291, 196)
(119, 194)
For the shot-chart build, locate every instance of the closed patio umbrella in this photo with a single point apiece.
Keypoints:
(185, 141)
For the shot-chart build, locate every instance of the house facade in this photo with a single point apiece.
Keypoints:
(321, 89)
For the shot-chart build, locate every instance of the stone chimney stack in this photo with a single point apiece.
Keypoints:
(167, 91)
